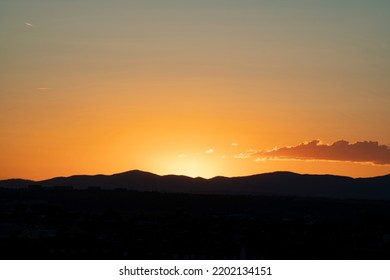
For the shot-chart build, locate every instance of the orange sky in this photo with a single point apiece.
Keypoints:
(92, 87)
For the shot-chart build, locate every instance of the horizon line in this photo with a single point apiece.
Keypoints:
(196, 177)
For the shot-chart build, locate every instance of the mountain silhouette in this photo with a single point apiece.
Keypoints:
(275, 183)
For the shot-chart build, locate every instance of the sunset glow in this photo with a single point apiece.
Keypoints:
(197, 88)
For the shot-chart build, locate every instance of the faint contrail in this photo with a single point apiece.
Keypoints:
(29, 24)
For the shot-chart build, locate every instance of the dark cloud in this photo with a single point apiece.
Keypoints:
(365, 151)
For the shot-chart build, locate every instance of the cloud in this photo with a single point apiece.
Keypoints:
(43, 88)
(364, 151)
(209, 151)
(181, 156)
(234, 144)
(247, 154)
(29, 24)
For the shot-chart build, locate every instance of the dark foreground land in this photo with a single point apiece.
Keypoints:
(123, 224)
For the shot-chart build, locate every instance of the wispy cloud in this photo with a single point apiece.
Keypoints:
(364, 151)
(209, 151)
(29, 24)
(246, 154)
(234, 144)
(43, 88)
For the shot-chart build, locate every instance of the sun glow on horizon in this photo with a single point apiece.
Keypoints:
(192, 165)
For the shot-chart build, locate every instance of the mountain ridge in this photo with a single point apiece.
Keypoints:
(280, 183)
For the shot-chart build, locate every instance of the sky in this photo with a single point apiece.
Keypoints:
(194, 87)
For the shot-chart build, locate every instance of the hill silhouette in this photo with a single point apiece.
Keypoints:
(275, 183)
(140, 215)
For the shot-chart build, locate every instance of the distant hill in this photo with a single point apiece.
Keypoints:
(16, 183)
(276, 183)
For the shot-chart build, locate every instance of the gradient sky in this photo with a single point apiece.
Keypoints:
(194, 87)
